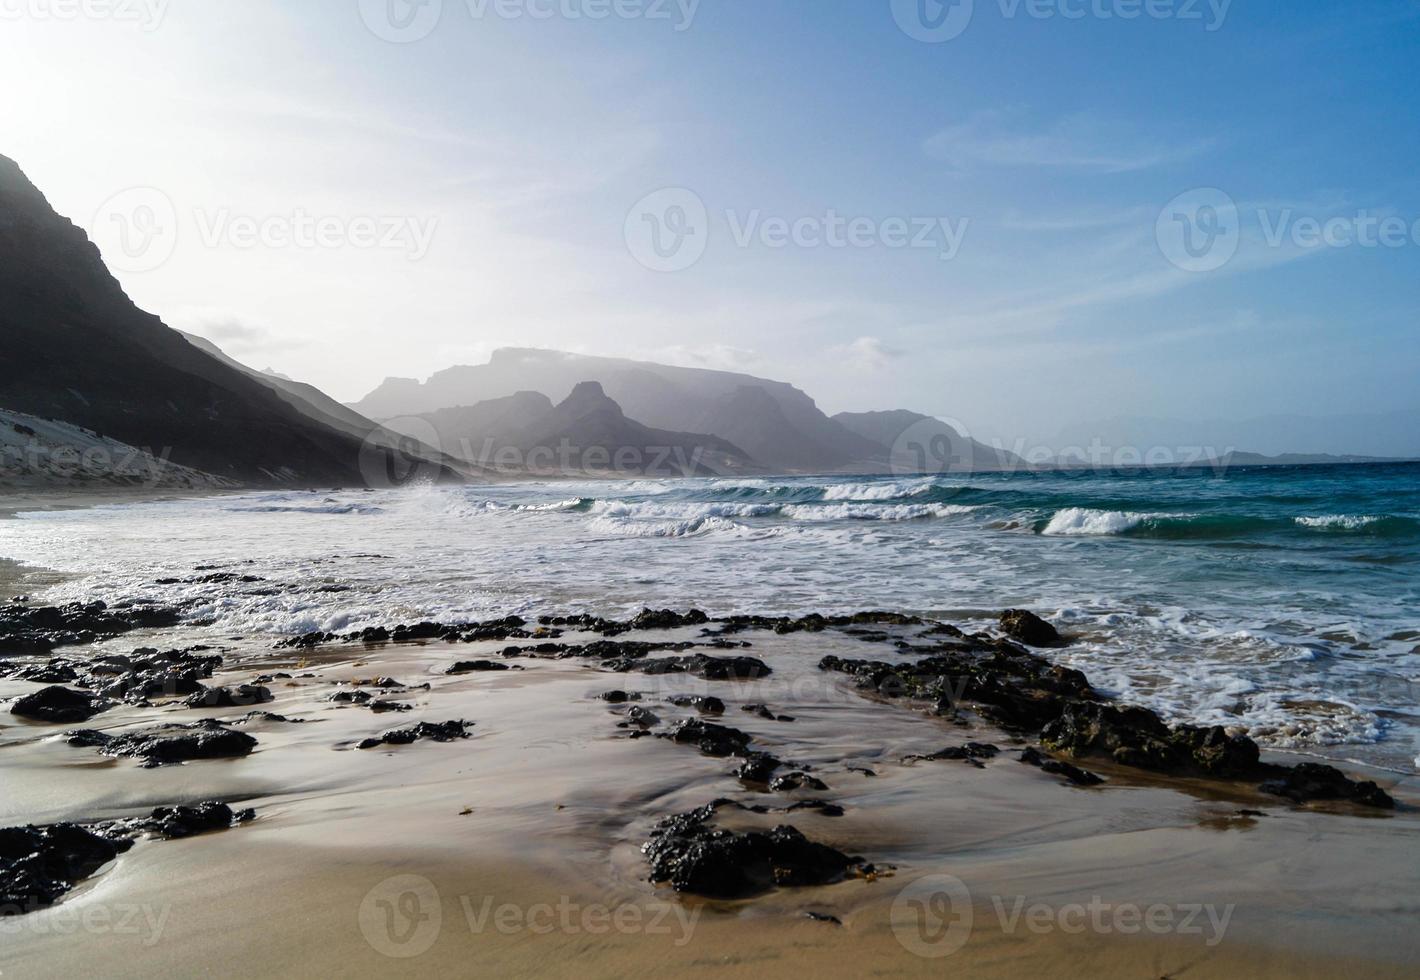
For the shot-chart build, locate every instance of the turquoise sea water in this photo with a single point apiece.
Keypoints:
(1284, 601)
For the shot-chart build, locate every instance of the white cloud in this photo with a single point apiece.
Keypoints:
(1077, 142)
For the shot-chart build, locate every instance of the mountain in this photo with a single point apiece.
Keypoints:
(307, 399)
(677, 399)
(916, 443)
(587, 432)
(77, 350)
(475, 432)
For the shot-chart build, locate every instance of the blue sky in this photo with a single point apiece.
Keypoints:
(505, 162)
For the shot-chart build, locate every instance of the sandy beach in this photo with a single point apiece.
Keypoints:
(517, 851)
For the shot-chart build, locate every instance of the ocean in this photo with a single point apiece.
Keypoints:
(1277, 600)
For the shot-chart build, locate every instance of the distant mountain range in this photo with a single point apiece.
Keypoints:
(744, 423)
(84, 369)
(586, 433)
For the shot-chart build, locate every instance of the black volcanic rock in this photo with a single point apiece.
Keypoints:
(693, 856)
(1312, 781)
(38, 629)
(446, 731)
(1030, 629)
(78, 350)
(240, 696)
(59, 705)
(169, 744)
(39, 864)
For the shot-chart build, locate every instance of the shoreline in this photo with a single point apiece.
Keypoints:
(548, 802)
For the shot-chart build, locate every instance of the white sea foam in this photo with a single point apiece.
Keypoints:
(873, 512)
(876, 491)
(1345, 522)
(1082, 521)
(571, 503)
(688, 528)
(689, 510)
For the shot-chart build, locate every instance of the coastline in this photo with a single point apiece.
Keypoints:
(547, 804)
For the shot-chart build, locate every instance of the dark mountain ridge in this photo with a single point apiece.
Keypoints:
(76, 349)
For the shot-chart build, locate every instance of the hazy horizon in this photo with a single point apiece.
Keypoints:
(343, 195)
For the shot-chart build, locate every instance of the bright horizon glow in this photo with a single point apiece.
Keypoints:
(513, 150)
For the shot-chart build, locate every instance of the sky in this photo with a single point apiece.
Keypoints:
(1020, 215)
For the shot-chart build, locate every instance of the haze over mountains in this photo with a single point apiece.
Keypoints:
(76, 349)
(79, 354)
(773, 426)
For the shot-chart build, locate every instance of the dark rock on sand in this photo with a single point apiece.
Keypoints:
(1311, 781)
(823, 808)
(1137, 737)
(693, 856)
(39, 864)
(666, 619)
(174, 822)
(1016, 689)
(812, 623)
(479, 666)
(699, 665)
(759, 768)
(1030, 629)
(705, 704)
(971, 752)
(1076, 775)
(351, 697)
(791, 781)
(169, 744)
(447, 731)
(39, 629)
(709, 738)
(147, 673)
(642, 717)
(618, 697)
(241, 696)
(60, 705)
(57, 671)
(270, 716)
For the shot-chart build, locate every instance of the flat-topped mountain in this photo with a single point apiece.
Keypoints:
(772, 421)
(77, 350)
(586, 433)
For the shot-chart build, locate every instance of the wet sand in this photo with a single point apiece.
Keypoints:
(516, 852)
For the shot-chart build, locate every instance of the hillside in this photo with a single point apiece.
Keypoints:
(917, 443)
(77, 350)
